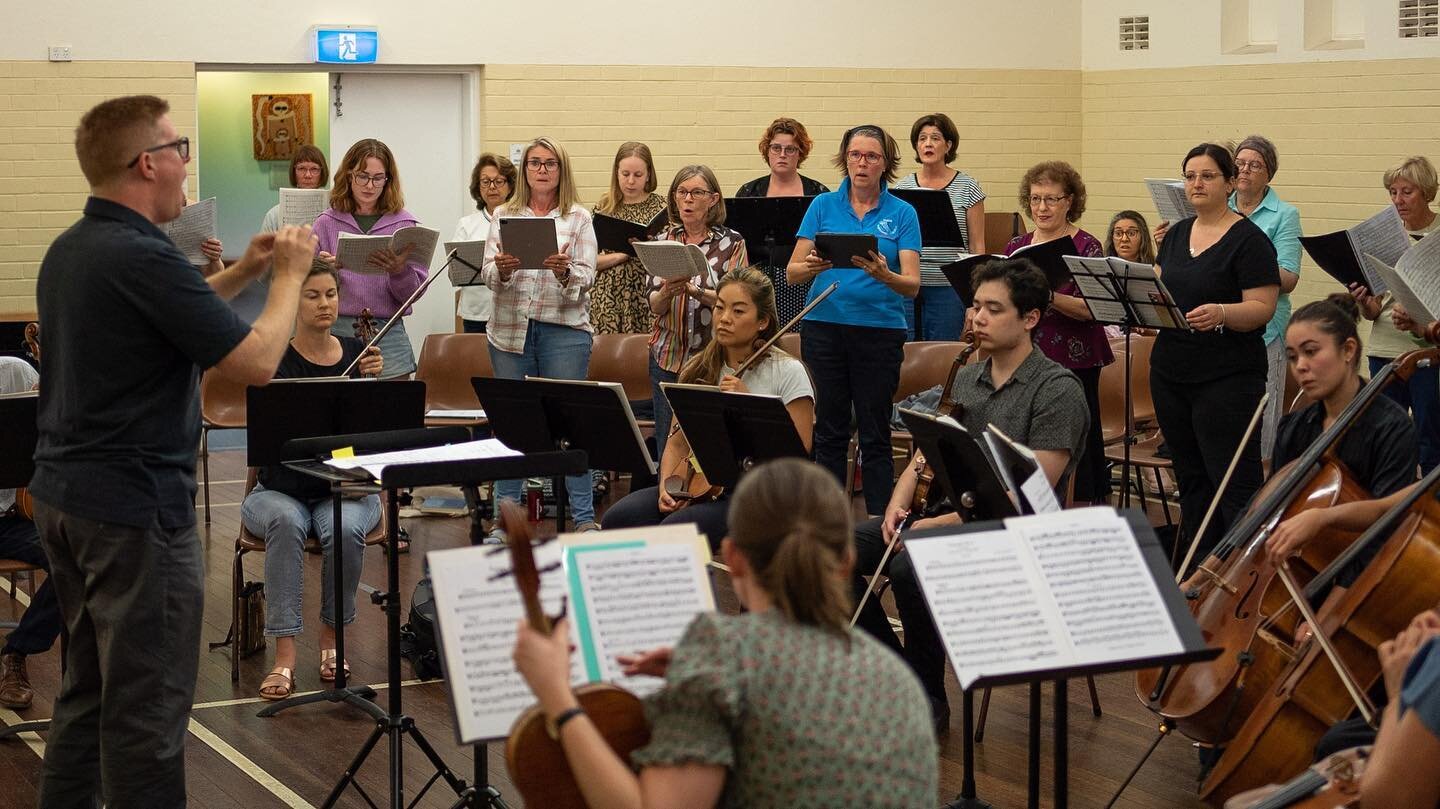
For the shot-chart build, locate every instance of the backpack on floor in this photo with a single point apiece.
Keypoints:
(417, 636)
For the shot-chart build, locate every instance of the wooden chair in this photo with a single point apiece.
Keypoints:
(222, 407)
(1000, 228)
(13, 569)
(1112, 389)
(447, 364)
(790, 344)
(622, 358)
(247, 542)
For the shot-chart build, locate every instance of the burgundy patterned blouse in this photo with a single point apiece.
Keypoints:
(1070, 342)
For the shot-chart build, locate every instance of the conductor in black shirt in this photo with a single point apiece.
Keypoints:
(128, 324)
(1206, 383)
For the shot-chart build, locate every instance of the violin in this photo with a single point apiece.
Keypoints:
(924, 474)
(1236, 596)
(685, 481)
(536, 761)
(24, 503)
(1331, 784)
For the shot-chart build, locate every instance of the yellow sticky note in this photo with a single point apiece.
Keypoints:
(343, 452)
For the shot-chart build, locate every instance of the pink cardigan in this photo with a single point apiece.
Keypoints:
(382, 295)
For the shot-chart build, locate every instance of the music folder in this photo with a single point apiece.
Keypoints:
(1048, 256)
(531, 239)
(938, 227)
(614, 235)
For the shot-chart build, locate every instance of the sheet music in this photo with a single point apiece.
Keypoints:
(1399, 289)
(375, 463)
(420, 240)
(472, 252)
(1147, 295)
(1170, 200)
(1419, 267)
(1382, 236)
(302, 206)
(454, 414)
(636, 594)
(1011, 457)
(1092, 276)
(671, 260)
(477, 634)
(195, 224)
(352, 252)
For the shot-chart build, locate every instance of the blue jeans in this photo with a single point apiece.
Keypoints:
(663, 413)
(942, 315)
(284, 522)
(40, 625)
(1419, 396)
(554, 352)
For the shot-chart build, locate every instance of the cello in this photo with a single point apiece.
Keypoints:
(1235, 593)
(1331, 784)
(534, 758)
(1315, 691)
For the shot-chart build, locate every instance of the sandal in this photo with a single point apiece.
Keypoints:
(327, 666)
(278, 684)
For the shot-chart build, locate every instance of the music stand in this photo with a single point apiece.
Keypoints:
(545, 415)
(732, 432)
(18, 412)
(290, 422)
(938, 227)
(468, 475)
(769, 225)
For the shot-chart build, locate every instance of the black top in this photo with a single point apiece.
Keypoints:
(127, 321)
(1243, 259)
(1380, 449)
(294, 366)
(760, 186)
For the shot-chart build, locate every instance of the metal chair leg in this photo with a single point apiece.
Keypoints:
(205, 469)
(1094, 696)
(980, 720)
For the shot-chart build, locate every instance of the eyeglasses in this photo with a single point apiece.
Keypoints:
(1130, 233)
(1205, 177)
(782, 149)
(1036, 201)
(868, 158)
(536, 164)
(693, 193)
(307, 168)
(361, 178)
(495, 183)
(180, 145)
(1249, 165)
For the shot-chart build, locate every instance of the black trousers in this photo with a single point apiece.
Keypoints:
(922, 648)
(642, 507)
(40, 624)
(1203, 423)
(1092, 475)
(132, 599)
(855, 367)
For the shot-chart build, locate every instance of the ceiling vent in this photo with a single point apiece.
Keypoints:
(1135, 32)
(1419, 18)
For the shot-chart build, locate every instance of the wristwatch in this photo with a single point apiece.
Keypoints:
(552, 726)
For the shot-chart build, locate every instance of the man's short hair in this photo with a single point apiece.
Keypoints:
(113, 132)
(1029, 289)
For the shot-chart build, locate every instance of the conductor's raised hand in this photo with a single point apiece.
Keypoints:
(258, 253)
(294, 252)
(654, 662)
(874, 265)
(371, 362)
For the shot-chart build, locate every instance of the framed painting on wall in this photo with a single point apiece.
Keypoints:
(281, 123)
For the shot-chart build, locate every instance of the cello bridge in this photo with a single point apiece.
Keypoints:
(1274, 640)
(1218, 581)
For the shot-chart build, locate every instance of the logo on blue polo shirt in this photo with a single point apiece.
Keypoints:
(888, 229)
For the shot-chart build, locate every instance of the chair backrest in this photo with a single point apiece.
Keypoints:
(1112, 393)
(790, 344)
(623, 358)
(926, 364)
(1141, 346)
(447, 363)
(222, 401)
(1001, 227)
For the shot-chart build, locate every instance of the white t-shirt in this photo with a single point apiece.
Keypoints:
(778, 374)
(476, 302)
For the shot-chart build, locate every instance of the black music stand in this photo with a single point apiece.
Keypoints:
(769, 225)
(938, 227)
(17, 465)
(545, 415)
(468, 475)
(732, 432)
(303, 420)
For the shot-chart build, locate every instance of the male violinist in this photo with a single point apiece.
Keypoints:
(1030, 398)
(128, 324)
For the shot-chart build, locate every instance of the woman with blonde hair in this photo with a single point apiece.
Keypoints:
(619, 301)
(761, 709)
(541, 323)
(367, 200)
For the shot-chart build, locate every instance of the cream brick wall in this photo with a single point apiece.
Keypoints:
(1337, 127)
(41, 188)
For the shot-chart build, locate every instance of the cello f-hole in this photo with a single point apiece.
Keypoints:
(1240, 612)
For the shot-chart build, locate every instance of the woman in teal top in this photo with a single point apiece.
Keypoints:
(782, 706)
(1255, 200)
(854, 341)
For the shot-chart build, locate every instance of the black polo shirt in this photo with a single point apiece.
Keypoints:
(128, 324)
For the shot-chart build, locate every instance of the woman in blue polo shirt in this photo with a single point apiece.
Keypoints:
(854, 341)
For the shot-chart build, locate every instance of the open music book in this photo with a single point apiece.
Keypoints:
(302, 206)
(353, 252)
(624, 591)
(1414, 280)
(1170, 200)
(1048, 256)
(196, 223)
(1121, 292)
(1340, 254)
(671, 260)
(1046, 592)
(472, 253)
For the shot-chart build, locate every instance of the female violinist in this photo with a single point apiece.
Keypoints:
(744, 318)
(753, 713)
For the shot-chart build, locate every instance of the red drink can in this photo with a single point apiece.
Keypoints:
(535, 500)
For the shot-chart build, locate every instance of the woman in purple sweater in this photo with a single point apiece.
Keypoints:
(366, 200)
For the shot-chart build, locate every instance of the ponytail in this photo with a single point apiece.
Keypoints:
(789, 519)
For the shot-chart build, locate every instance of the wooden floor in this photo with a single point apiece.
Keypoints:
(235, 759)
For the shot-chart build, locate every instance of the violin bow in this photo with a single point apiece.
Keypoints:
(757, 353)
(870, 588)
(395, 318)
(1362, 703)
(1224, 482)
